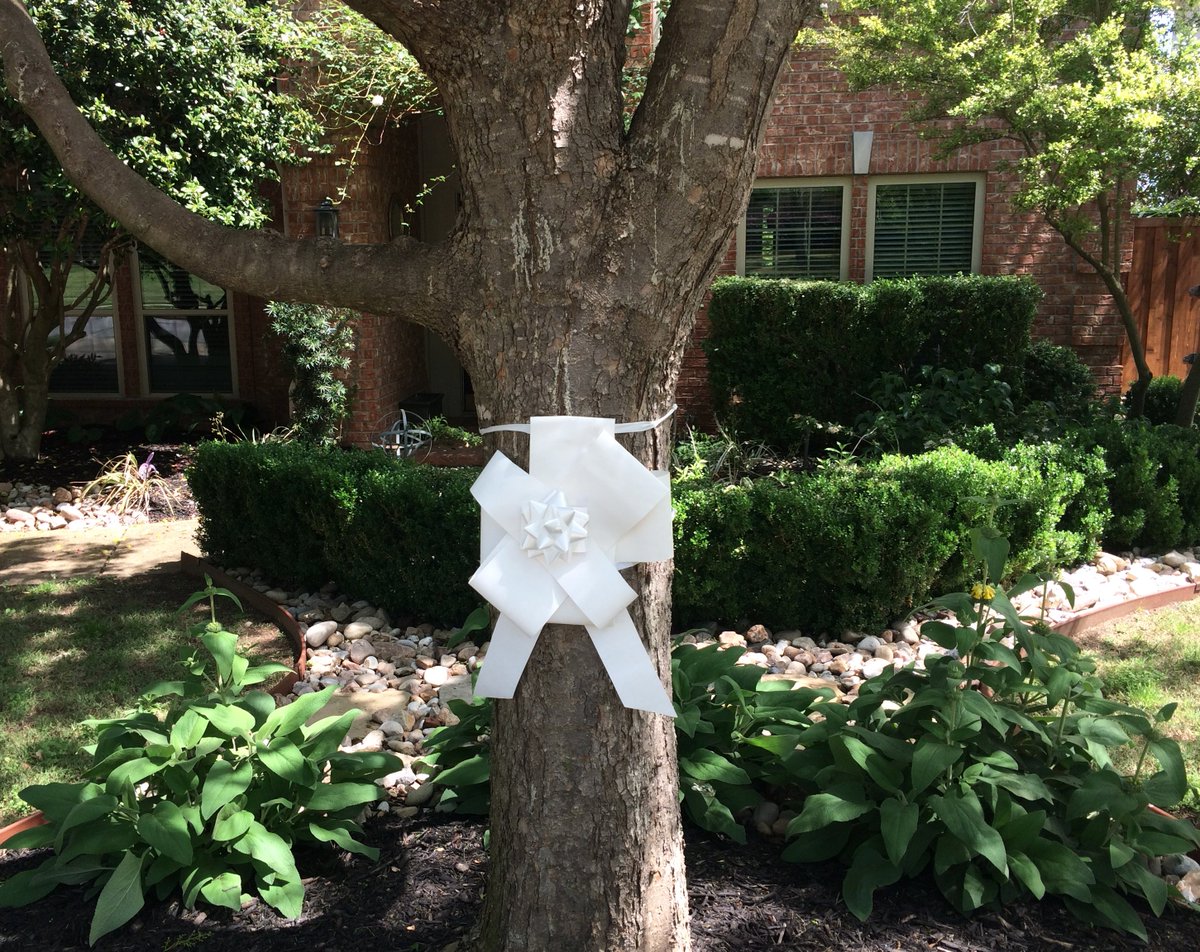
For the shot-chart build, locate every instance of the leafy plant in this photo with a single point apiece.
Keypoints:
(126, 485)
(203, 789)
(317, 343)
(992, 766)
(445, 432)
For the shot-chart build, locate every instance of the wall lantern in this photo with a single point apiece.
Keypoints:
(327, 219)
(862, 152)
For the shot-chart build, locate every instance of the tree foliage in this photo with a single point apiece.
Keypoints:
(1102, 96)
(185, 92)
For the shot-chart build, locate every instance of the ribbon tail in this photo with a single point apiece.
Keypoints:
(629, 666)
(506, 659)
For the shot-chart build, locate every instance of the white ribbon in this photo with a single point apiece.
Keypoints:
(551, 541)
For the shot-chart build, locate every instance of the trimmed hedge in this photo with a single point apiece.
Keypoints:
(782, 348)
(860, 546)
(402, 535)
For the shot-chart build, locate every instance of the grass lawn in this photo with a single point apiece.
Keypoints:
(70, 650)
(1150, 659)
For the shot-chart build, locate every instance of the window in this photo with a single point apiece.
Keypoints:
(187, 330)
(924, 225)
(795, 229)
(90, 365)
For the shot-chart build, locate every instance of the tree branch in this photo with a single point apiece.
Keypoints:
(403, 278)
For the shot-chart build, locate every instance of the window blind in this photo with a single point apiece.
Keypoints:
(923, 229)
(795, 232)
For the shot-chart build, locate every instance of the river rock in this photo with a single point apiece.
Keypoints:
(356, 630)
(361, 650)
(319, 633)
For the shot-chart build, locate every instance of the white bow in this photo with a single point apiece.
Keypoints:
(551, 541)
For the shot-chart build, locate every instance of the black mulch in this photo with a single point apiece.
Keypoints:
(426, 890)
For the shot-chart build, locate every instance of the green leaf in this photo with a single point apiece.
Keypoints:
(1170, 784)
(478, 620)
(707, 765)
(711, 814)
(961, 812)
(121, 898)
(897, 824)
(130, 774)
(31, 839)
(333, 797)
(268, 848)
(342, 837)
(818, 845)
(324, 737)
(822, 809)
(232, 822)
(166, 829)
(223, 783)
(1115, 912)
(1026, 873)
(230, 720)
(222, 645)
(284, 720)
(930, 760)
(224, 890)
(56, 800)
(867, 872)
(472, 770)
(260, 704)
(284, 759)
(25, 887)
(187, 731)
(287, 897)
(988, 545)
(89, 811)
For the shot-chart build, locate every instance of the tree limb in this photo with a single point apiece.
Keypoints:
(403, 278)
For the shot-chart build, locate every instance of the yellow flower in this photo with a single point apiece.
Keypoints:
(982, 593)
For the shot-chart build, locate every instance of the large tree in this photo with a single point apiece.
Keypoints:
(569, 286)
(1102, 96)
(184, 91)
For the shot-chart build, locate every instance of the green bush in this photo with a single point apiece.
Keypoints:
(779, 349)
(388, 530)
(1055, 382)
(1154, 483)
(316, 347)
(854, 546)
(202, 790)
(1162, 399)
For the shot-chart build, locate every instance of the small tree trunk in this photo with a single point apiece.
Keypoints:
(23, 406)
(1189, 396)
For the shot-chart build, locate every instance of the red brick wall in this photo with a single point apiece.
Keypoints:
(389, 359)
(810, 134)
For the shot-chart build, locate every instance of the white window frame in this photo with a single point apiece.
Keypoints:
(936, 178)
(844, 182)
(115, 314)
(139, 316)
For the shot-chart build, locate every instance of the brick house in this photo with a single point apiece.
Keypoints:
(846, 191)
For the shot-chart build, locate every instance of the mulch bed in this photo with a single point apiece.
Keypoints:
(426, 891)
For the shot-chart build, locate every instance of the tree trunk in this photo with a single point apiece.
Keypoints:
(1189, 396)
(24, 400)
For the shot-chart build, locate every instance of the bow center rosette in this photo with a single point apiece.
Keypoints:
(552, 541)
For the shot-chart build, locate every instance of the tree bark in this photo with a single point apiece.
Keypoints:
(569, 286)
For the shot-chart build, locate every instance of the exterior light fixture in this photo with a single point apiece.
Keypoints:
(862, 152)
(327, 219)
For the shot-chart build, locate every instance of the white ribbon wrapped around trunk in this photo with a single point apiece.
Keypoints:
(551, 542)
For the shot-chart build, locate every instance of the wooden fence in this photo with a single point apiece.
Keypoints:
(1166, 262)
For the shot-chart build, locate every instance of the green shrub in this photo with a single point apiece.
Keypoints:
(316, 348)
(853, 546)
(780, 350)
(1057, 383)
(403, 535)
(1162, 399)
(1154, 483)
(202, 790)
(1000, 792)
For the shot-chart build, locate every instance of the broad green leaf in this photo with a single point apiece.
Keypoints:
(472, 770)
(25, 887)
(1170, 784)
(223, 783)
(166, 829)
(89, 811)
(230, 720)
(342, 837)
(222, 645)
(268, 848)
(1026, 873)
(818, 845)
(284, 759)
(332, 797)
(897, 824)
(711, 814)
(988, 545)
(687, 719)
(930, 760)
(1115, 912)
(868, 871)
(284, 720)
(257, 674)
(324, 737)
(260, 704)
(960, 810)
(708, 765)
(99, 838)
(1151, 887)
(232, 821)
(224, 890)
(187, 731)
(478, 620)
(287, 897)
(56, 800)
(130, 774)
(822, 809)
(1061, 869)
(121, 898)
(31, 839)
